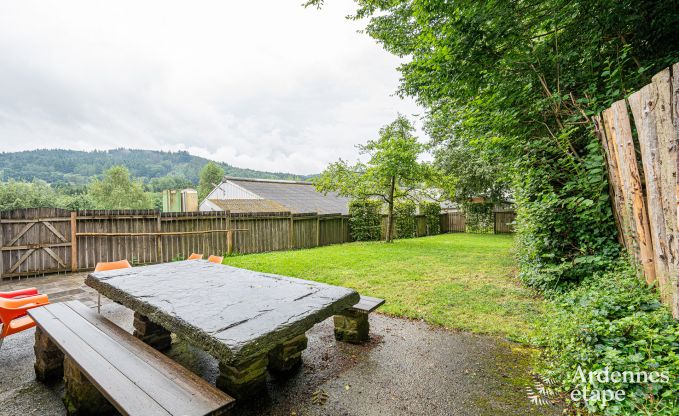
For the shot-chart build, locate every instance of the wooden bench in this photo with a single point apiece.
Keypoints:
(107, 369)
(352, 325)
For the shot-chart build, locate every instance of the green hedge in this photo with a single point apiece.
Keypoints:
(404, 219)
(432, 212)
(365, 220)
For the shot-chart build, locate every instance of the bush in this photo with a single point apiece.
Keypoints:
(365, 220)
(613, 319)
(478, 218)
(432, 213)
(404, 219)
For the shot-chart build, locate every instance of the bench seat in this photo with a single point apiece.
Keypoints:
(133, 377)
(352, 325)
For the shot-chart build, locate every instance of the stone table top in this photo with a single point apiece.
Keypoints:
(232, 313)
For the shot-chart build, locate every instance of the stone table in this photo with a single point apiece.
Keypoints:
(249, 321)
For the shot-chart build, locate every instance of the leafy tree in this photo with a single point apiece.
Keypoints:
(210, 176)
(516, 84)
(118, 191)
(391, 173)
(36, 194)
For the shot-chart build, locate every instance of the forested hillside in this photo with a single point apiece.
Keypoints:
(60, 167)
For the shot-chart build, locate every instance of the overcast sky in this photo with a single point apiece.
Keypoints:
(266, 85)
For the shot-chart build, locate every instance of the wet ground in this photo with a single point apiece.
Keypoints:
(408, 368)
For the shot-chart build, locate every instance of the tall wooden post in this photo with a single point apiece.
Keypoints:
(291, 235)
(74, 241)
(318, 230)
(159, 240)
(229, 242)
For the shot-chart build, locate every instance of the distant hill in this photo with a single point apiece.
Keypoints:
(61, 167)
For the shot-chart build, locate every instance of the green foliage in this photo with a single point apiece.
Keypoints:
(171, 170)
(404, 215)
(117, 191)
(210, 176)
(614, 320)
(391, 173)
(478, 217)
(39, 194)
(432, 212)
(365, 219)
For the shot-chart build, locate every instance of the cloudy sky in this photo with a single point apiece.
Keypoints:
(263, 84)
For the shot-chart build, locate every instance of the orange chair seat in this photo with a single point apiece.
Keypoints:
(20, 324)
(195, 256)
(215, 259)
(112, 265)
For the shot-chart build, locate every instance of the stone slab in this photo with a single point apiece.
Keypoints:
(232, 313)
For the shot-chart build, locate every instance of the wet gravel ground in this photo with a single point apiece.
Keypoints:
(408, 368)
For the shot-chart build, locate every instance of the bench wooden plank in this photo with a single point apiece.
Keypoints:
(202, 391)
(367, 304)
(156, 381)
(177, 399)
(110, 382)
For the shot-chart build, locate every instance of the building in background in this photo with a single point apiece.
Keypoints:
(268, 195)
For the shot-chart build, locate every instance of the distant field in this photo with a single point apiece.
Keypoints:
(459, 281)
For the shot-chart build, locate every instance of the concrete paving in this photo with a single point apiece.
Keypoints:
(408, 368)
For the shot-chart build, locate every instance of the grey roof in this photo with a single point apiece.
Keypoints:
(298, 197)
(249, 205)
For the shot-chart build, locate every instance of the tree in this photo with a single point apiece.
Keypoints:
(116, 190)
(210, 176)
(516, 83)
(392, 171)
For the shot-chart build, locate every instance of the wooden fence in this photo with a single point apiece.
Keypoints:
(48, 240)
(644, 200)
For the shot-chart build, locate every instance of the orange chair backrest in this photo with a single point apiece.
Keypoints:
(195, 256)
(13, 313)
(215, 259)
(112, 265)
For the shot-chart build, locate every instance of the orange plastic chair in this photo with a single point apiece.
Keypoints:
(13, 314)
(22, 293)
(195, 256)
(215, 259)
(112, 265)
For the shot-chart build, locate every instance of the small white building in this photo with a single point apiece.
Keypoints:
(268, 195)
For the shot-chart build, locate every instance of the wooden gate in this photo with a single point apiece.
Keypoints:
(35, 241)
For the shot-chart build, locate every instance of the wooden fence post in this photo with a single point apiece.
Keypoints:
(318, 230)
(74, 241)
(229, 242)
(291, 235)
(159, 239)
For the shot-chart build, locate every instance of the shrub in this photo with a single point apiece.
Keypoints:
(478, 218)
(365, 219)
(404, 219)
(432, 213)
(613, 319)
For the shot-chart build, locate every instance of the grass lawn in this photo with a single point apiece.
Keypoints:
(459, 281)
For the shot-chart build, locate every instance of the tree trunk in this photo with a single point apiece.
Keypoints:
(390, 216)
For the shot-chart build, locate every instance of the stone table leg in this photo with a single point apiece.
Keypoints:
(288, 355)
(49, 360)
(243, 379)
(352, 326)
(81, 397)
(151, 333)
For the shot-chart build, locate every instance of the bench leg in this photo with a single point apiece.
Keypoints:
(243, 379)
(352, 327)
(49, 360)
(288, 355)
(81, 397)
(151, 333)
